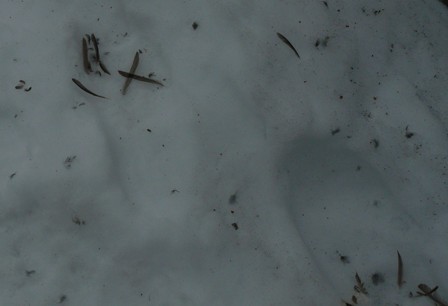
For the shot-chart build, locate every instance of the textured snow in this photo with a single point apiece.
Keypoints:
(252, 177)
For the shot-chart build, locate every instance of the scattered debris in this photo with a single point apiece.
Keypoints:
(288, 43)
(132, 71)
(20, 85)
(400, 281)
(68, 161)
(78, 221)
(79, 84)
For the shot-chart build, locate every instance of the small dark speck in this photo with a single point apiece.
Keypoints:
(28, 89)
(30, 272)
(232, 199)
(235, 226)
(375, 143)
(335, 131)
(325, 3)
(377, 278)
(409, 134)
(344, 259)
(174, 191)
(148, 130)
(195, 25)
(358, 168)
(62, 299)
(12, 175)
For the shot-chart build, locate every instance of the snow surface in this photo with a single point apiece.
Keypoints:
(252, 177)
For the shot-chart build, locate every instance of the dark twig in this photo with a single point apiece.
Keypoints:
(132, 71)
(139, 78)
(79, 84)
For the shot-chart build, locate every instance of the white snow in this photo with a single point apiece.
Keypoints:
(252, 177)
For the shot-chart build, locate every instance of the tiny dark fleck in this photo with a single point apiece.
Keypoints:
(375, 143)
(316, 44)
(235, 226)
(335, 131)
(409, 134)
(341, 97)
(377, 278)
(148, 130)
(68, 161)
(232, 211)
(140, 51)
(30, 272)
(62, 299)
(12, 175)
(344, 259)
(325, 3)
(78, 221)
(28, 89)
(195, 25)
(358, 168)
(174, 191)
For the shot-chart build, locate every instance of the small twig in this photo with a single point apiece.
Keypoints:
(400, 281)
(359, 287)
(104, 68)
(85, 57)
(139, 78)
(288, 43)
(431, 293)
(79, 84)
(132, 71)
(95, 45)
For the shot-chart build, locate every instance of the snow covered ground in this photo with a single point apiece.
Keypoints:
(252, 177)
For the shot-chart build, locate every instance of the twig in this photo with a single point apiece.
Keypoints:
(288, 43)
(132, 71)
(139, 78)
(400, 281)
(79, 84)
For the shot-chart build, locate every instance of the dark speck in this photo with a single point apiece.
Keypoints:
(195, 25)
(344, 259)
(232, 199)
(235, 226)
(335, 131)
(30, 272)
